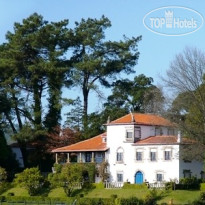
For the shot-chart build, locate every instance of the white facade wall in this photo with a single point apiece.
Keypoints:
(18, 155)
(194, 166)
(169, 169)
(115, 141)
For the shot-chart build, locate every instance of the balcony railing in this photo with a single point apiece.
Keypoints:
(113, 185)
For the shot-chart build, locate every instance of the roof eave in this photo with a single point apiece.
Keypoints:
(83, 150)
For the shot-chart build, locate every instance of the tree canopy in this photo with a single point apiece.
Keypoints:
(95, 59)
(39, 59)
(186, 76)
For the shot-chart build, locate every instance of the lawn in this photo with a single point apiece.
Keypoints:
(17, 191)
(178, 196)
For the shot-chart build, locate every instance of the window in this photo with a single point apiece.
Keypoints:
(119, 156)
(170, 131)
(119, 177)
(187, 173)
(159, 177)
(129, 135)
(139, 156)
(153, 155)
(88, 157)
(99, 154)
(158, 131)
(167, 155)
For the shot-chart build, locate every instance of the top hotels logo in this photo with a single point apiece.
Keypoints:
(173, 21)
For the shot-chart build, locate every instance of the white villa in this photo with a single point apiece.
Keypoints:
(139, 148)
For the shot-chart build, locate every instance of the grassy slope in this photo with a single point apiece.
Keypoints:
(178, 196)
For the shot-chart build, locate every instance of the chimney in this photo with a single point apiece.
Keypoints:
(108, 120)
(132, 117)
(179, 138)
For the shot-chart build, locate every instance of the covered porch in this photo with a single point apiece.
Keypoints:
(92, 150)
(80, 157)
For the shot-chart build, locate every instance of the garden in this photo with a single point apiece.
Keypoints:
(65, 187)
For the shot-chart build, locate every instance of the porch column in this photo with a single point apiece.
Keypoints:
(105, 157)
(80, 157)
(56, 158)
(92, 159)
(68, 157)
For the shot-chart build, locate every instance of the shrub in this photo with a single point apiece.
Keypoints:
(30, 179)
(188, 183)
(201, 200)
(10, 194)
(2, 198)
(153, 196)
(134, 186)
(202, 187)
(170, 185)
(4, 186)
(132, 200)
(3, 175)
(113, 196)
(94, 201)
(57, 168)
(202, 196)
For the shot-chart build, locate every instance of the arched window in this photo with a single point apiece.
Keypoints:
(119, 155)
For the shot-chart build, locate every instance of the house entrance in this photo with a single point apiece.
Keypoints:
(138, 178)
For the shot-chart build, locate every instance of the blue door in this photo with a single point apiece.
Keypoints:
(138, 178)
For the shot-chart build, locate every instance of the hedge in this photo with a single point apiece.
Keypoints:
(202, 187)
(36, 199)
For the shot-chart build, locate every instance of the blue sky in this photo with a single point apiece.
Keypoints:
(156, 51)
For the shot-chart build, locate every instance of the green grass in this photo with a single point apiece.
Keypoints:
(57, 192)
(181, 196)
(178, 196)
(121, 193)
(17, 191)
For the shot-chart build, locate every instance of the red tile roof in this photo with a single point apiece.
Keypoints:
(162, 139)
(92, 144)
(143, 119)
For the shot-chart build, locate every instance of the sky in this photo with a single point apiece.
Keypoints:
(126, 16)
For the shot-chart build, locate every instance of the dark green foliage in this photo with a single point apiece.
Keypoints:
(132, 200)
(7, 158)
(170, 185)
(102, 170)
(189, 184)
(58, 168)
(153, 196)
(139, 95)
(71, 174)
(90, 169)
(94, 201)
(36, 199)
(3, 175)
(97, 60)
(201, 200)
(74, 118)
(31, 64)
(30, 179)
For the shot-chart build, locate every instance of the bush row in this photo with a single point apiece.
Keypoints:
(78, 201)
(36, 199)
(186, 184)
